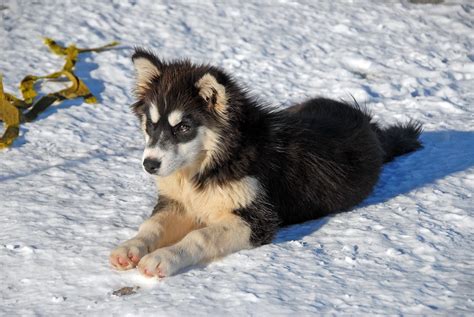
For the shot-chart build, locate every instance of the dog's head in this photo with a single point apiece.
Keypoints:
(183, 109)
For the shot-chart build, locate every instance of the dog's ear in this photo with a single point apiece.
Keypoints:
(213, 93)
(147, 68)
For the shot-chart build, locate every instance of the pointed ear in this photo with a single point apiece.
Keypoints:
(147, 67)
(213, 93)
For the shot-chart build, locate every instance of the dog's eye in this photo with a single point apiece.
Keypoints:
(150, 126)
(182, 128)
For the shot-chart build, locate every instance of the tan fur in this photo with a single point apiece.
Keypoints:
(154, 114)
(167, 227)
(143, 127)
(228, 235)
(207, 85)
(212, 207)
(162, 229)
(145, 71)
(211, 146)
(175, 117)
(197, 225)
(212, 203)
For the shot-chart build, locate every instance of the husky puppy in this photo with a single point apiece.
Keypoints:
(230, 171)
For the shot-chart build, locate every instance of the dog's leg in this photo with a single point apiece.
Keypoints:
(205, 244)
(166, 226)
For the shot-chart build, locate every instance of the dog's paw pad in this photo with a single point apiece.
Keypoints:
(134, 258)
(156, 264)
(122, 261)
(127, 256)
(150, 273)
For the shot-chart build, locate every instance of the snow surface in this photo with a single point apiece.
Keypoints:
(71, 187)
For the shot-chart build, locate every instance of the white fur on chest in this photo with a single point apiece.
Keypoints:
(212, 203)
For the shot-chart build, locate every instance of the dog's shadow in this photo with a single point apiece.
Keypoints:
(444, 153)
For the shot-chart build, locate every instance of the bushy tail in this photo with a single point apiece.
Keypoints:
(399, 139)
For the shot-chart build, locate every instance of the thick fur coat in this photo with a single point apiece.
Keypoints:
(230, 171)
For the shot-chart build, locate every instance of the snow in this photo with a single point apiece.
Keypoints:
(72, 187)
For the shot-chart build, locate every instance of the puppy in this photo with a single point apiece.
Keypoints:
(230, 171)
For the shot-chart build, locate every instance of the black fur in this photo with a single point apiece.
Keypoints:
(399, 139)
(262, 219)
(315, 158)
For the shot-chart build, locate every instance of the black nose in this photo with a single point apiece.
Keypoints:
(151, 166)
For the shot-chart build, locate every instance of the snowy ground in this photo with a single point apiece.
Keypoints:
(71, 187)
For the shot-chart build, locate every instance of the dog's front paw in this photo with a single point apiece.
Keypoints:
(161, 263)
(127, 255)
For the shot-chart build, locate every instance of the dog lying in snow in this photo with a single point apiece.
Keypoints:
(231, 171)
